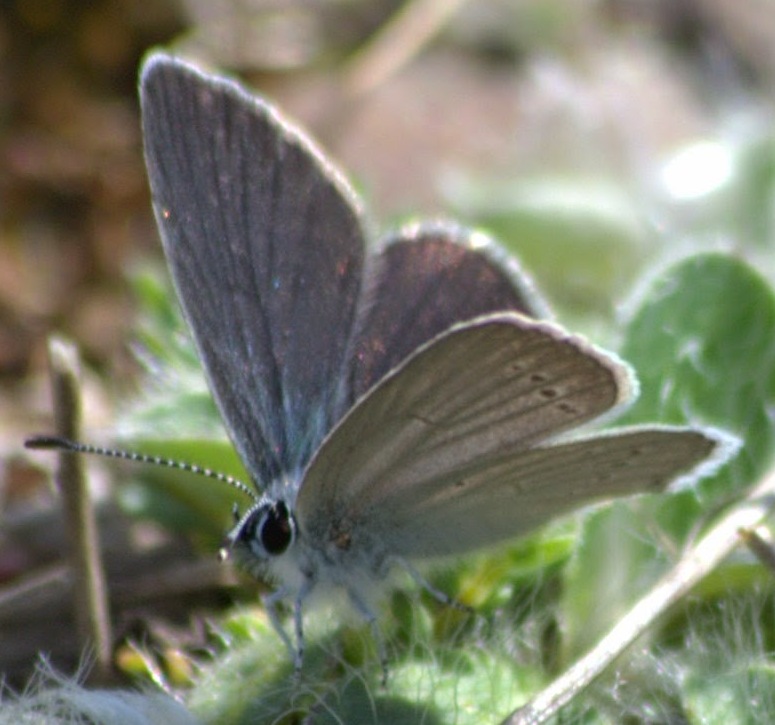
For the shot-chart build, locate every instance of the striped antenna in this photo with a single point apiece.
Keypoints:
(51, 442)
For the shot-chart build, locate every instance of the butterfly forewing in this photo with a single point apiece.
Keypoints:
(478, 392)
(265, 245)
(423, 281)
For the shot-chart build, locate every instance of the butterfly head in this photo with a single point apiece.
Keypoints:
(266, 531)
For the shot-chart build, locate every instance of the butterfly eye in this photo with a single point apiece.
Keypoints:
(266, 530)
(276, 528)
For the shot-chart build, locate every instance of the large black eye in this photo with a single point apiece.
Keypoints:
(276, 529)
(267, 529)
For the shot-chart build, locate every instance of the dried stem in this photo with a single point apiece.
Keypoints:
(700, 560)
(88, 577)
(398, 42)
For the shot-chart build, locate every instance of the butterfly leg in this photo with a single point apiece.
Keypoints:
(437, 594)
(365, 611)
(271, 602)
(298, 623)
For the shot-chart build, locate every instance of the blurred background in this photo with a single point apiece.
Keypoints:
(447, 108)
(624, 132)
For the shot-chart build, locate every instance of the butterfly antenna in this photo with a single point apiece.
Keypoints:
(50, 442)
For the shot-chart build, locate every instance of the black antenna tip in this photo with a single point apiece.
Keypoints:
(48, 442)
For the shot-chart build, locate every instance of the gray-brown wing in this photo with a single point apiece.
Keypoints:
(265, 246)
(490, 388)
(499, 499)
(424, 280)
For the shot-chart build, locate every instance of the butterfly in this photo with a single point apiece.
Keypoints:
(391, 404)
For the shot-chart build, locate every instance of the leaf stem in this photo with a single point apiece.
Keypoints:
(698, 561)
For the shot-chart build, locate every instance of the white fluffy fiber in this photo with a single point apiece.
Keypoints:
(54, 699)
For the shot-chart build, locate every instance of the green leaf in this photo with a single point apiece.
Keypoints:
(181, 500)
(703, 346)
(161, 331)
(252, 682)
(583, 239)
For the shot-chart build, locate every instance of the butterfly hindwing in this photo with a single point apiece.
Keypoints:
(423, 280)
(500, 498)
